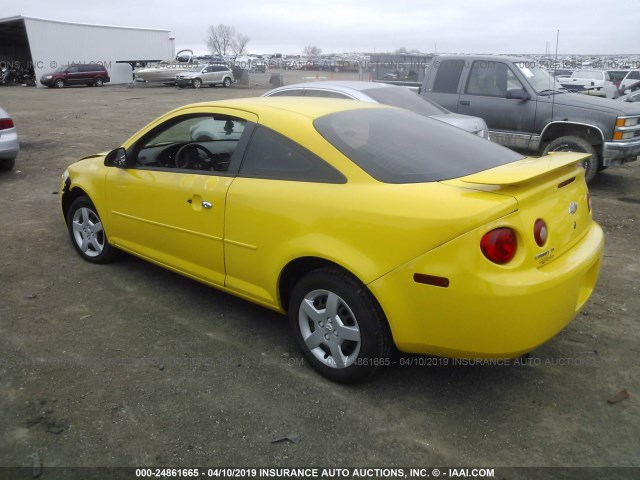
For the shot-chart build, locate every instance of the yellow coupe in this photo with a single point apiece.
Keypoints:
(371, 226)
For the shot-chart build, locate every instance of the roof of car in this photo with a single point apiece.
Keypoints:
(343, 85)
(304, 106)
(488, 58)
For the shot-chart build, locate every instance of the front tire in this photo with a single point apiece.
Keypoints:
(339, 326)
(59, 83)
(87, 233)
(197, 83)
(576, 144)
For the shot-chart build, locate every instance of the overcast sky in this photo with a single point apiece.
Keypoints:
(286, 26)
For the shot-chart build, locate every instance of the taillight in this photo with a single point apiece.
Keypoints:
(499, 245)
(540, 232)
(6, 123)
(589, 201)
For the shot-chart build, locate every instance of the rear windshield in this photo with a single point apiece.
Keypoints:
(398, 146)
(404, 98)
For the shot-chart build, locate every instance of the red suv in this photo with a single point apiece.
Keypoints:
(81, 74)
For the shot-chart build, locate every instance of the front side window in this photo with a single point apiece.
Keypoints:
(399, 146)
(491, 79)
(273, 156)
(203, 143)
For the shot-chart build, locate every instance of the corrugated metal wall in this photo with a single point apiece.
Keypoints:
(58, 43)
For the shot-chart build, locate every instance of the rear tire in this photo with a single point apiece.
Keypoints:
(339, 326)
(98, 82)
(226, 82)
(577, 144)
(7, 164)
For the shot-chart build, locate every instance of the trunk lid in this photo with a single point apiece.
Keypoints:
(551, 188)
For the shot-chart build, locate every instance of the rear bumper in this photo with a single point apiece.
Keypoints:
(486, 311)
(618, 153)
(9, 144)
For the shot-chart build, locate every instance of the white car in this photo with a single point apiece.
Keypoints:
(213, 75)
(633, 77)
(586, 80)
(385, 93)
(9, 143)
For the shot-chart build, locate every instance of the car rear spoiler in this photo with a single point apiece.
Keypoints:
(526, 170)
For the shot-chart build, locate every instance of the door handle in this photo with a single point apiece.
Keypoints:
(465, 102)
(194, 201)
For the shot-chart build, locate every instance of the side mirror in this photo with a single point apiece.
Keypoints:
(116, 158)
(518, 93)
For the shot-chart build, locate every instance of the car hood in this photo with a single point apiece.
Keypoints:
(593, 102)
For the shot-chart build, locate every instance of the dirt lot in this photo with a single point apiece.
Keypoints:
(131, 365)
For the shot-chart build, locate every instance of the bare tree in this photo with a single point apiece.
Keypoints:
(220, 39)
(311, 51)
(239, 46)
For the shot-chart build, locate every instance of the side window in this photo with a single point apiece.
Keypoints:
(203, 143)
(73, 69)
(273, 156)
(311, 92)
(491, 79)
(448, 76)
(296, 92)
(635, 75)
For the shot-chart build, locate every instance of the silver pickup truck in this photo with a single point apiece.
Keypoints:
(526, 109)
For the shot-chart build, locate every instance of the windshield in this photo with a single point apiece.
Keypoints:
(539, 78)
(404, 98)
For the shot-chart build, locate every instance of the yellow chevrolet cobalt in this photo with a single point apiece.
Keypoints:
(371, 227)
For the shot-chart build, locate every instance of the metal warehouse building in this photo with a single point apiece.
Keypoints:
(27, 42)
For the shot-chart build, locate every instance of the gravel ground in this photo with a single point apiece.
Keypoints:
(131, 365)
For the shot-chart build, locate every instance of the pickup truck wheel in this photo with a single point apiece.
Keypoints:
(576, 144)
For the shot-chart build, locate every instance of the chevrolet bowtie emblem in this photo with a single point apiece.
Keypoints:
(573, 208)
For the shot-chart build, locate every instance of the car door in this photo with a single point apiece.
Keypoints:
(73, 75)
(208, 75)
(487, 94)
(169, 205)
(278, 180)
